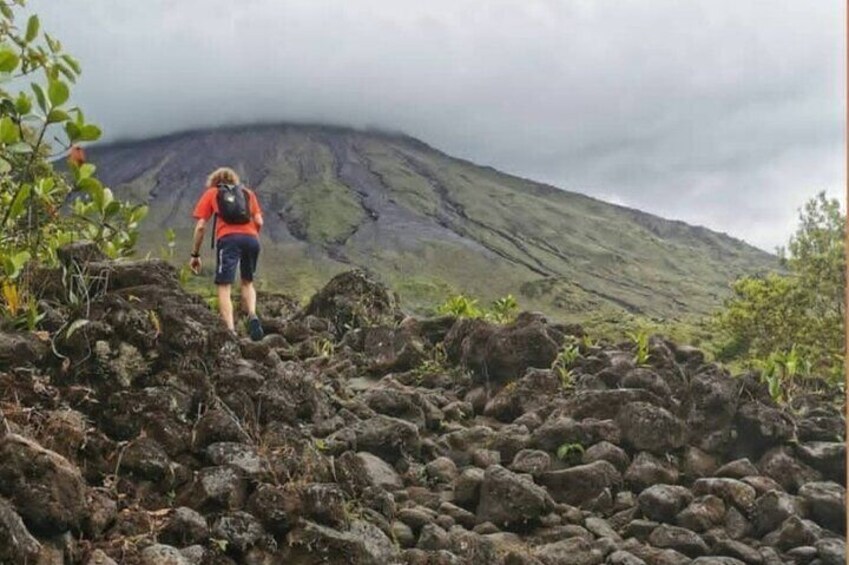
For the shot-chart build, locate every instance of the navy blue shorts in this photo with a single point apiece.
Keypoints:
(232, 250)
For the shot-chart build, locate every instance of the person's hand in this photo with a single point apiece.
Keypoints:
(195, 265)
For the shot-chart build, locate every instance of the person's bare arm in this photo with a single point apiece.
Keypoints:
(258, 221)
(197, 240)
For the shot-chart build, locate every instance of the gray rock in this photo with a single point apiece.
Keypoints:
(363, 469)
(98, 557)
(467, 487)
(827, 503)
(772, 509)
(238, 455)
(829, 458)
(509, 499)
(832, 551)
(184, 527)
(362, 544)
(737, 469)
(702, 514)
(606, 451)
(650, 428)
(601, 529)
(736, 525)
(403, 534)
(433, 538)
(662, 502)
(240, 530)
(679, 539)
(17, 545)
(531, 461)
(47, 491)
(159, 554)
(622, 557)
(388, 438)
(217, 488)
(573, 551)
(731, 491)
(795, 532)
(647, 470)
(582, 483)
(781, 465)
(441, 470)
(558, 431)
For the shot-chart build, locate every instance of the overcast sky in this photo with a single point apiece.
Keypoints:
(723, 113)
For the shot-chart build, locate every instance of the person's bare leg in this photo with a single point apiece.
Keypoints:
(225, 306)
(249, 297)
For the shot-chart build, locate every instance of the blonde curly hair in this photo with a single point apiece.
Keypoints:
(222, 175)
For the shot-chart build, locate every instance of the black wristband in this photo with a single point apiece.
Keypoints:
(195, 255)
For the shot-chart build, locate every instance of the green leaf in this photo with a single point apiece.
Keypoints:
(86, 170)
(7, 12)
(112, 208)
(9, 59)
(57, 92)
(57, 115)
(5, 166)
(32, 28)
(73, 63)
(73, 131)
(20, 147)
(23, 104)
(90, 132)
(9, 132)
(90, 186)
(19, 202)
(39, 96)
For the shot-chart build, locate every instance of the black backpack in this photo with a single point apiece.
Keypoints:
(233, 206)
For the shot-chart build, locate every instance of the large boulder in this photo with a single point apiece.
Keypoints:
(713, 396)
(508, 499)
(502, 353)
(354, 299)
(534, 390)
(646, 427)
(48, 492)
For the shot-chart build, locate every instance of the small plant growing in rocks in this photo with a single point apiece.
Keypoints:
(640, 339)
(461, 306)
(570, 451)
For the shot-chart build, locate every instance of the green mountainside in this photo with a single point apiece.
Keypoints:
(428, 224)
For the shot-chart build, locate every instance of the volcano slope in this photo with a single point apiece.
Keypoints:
(136, 430)
(430, 225)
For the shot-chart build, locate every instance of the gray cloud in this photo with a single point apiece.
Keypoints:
(724, 113)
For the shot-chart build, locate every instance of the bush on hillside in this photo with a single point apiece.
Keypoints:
(42, 209)
(791, 325)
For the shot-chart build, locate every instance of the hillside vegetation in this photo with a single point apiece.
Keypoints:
(431, 225)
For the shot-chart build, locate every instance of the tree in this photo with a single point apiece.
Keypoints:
(42, 208)
(799, 313)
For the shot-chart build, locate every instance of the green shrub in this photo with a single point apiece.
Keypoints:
(460, 306)
(42, 209)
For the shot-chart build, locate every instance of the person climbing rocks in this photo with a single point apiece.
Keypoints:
(236, 225)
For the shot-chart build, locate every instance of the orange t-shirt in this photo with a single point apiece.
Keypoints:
(208, 205)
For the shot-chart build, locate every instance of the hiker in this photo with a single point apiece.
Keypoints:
(238, 220)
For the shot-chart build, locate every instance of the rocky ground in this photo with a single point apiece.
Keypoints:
(134, 429)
